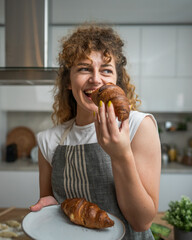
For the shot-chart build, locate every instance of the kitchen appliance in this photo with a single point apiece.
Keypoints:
(26, 54)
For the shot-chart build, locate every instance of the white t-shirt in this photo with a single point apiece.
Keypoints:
(49, 139)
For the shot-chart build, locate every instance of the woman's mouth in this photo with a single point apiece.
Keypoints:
(89, 92)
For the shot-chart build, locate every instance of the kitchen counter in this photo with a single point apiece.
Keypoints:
(19, 165)
(175, 167)
(19, 213)
(28, 165)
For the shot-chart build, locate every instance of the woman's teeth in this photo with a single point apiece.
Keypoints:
(89, 92)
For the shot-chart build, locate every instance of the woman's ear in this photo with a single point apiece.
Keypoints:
(69, 86)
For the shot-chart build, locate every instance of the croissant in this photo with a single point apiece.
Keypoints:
(87, 214)
(115, 94)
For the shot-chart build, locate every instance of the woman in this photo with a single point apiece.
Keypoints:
(88, 153)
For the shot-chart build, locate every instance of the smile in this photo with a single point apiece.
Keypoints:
(89, 92)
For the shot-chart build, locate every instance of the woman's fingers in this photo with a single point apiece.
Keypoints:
(111, 120)
(101, 123)
(43, 202)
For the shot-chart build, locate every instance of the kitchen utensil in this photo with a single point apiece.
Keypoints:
(187, 158)
(11, 152)
(34, 154)
(24, 138)
(6, 211)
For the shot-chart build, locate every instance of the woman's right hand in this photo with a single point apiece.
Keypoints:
(43, 202)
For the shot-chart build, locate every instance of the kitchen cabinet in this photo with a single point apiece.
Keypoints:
(2, 46)
(184, 51)
(56, 33)
(158, 51)
(166, 94)
(26, 98)
(166, 72)
(172, 187)
(131, 35)
(19, 188)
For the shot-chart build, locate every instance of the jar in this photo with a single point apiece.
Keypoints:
(187, 159)
(172, 153)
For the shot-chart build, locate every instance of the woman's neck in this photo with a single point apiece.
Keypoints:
(85, 119)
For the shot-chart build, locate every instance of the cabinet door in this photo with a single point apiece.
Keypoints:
(184, 51)
(180, 184)
(2, 46)
(131, 37)
(19, 188)
(56, 33)
(158, 53)
(26, 98)
(166, 94)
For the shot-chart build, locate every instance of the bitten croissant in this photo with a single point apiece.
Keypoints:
(86, 214)
(115, 94)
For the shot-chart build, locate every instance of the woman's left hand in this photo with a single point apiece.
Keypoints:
(114, 140)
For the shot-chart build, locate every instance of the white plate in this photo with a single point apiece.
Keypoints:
(51, 223)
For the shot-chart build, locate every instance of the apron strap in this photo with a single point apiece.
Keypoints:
(67, 130)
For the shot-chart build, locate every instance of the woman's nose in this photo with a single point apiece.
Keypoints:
(95, 77)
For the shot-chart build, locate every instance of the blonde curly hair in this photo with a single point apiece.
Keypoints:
(79, 45)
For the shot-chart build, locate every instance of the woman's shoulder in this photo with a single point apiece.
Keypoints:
(135, 119)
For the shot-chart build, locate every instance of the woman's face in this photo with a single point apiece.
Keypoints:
(86, 76)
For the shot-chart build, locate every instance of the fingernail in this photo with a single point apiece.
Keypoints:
(100, 103)
(109, 104)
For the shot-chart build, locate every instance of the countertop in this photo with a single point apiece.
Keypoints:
(19, 213)
(28, 165)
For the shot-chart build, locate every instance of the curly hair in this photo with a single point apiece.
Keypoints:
(79, 45)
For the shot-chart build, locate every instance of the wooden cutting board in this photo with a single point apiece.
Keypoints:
(24, 138)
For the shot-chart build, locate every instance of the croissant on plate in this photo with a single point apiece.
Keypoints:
(87, 214)
(115, 94)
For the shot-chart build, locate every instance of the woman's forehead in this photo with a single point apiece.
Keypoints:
(95, 56)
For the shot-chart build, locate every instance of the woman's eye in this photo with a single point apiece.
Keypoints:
(83, 69)
(108, 71)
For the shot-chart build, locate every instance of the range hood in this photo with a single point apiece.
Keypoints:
(26, 38)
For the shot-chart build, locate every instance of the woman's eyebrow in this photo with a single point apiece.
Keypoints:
(106, 65)
(83, 64)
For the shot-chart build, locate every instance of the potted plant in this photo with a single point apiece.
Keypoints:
(179, 215)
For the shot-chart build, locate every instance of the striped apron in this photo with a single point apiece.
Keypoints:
(85, 171)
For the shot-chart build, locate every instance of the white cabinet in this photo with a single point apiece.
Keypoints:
(184, 51)
(26, 98)
(158, 53)
(131, 37)
(2, 46)
(166, 94)
(56, 33)
(166, 69)
(19, 188)
(172, 187)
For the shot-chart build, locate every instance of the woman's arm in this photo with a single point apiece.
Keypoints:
(136, 166)
(46, 195)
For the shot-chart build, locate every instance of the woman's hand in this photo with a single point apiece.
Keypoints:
(43, 202)
(114, 140)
